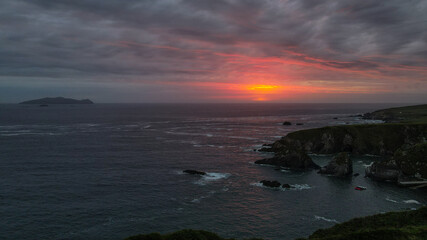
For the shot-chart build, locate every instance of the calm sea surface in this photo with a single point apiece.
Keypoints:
(108, 171)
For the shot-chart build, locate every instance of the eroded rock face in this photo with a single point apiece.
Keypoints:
(383, 171)
(293, 160)
(412, 160)
(340, 166)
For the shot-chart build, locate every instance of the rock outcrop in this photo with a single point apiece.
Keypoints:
(292, 160)
(383, 171)
(408, 162)
(340, 166)
(194, 172)
(272, 184)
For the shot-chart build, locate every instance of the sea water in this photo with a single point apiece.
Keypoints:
(109, 171)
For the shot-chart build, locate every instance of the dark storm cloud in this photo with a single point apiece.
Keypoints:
(180, 37)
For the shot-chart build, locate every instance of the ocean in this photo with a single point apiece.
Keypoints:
(109, 171)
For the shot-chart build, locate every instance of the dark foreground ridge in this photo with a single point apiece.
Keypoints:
(391, 226)
(57, 100)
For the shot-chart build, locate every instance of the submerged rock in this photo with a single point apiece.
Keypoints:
(293, 160)
(287, 186)
(287, 123)
(272, 184)
(194, 172)
(340, 166)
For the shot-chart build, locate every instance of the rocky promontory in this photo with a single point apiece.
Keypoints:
(401, 145)
(290, 159)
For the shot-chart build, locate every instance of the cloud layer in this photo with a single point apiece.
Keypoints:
(180, 48)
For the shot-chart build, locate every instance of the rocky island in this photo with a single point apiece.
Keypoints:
(57, 100)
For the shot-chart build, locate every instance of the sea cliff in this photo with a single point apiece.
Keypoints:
(401, 142)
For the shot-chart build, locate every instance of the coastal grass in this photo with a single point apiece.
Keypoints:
(186, 234)
(408, 114)
(404, 225)
(414, 114)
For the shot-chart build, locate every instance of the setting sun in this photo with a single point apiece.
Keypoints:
(262, 87)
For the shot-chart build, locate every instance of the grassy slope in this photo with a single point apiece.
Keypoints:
(408, 123)
(407, 225)
(411, 225)
(413, 114)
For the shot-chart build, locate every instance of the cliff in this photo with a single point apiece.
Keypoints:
(403, 145)
(57, 100)
(377, 139)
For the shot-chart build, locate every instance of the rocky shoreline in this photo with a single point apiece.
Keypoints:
(402, 146)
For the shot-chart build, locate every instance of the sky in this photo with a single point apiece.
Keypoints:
(196, 51)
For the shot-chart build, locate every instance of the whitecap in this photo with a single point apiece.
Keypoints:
(147, 126)
(411, 201)
(294, 187)
(298, 187)
(241, 137)
(325, 219)
(197, 200)
(391, 200)
(367, 165)
(211, 176)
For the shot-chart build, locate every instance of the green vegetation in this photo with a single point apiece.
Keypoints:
(414, 114)
(406, 225)
(413, 160)
(186, 234)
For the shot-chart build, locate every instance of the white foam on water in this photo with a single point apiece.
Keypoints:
(294, 187)
(241, 137)
(147, 126)
(367, 165)
(391, 200)
(211, 176)
(411, 201)
(197, 200)
(325, 219)
(298, 187)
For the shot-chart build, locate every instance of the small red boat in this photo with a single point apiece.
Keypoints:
(360, 188)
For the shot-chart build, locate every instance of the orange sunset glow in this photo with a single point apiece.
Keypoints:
(218, 51)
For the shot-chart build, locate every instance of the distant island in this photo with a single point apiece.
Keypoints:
(57, 100)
